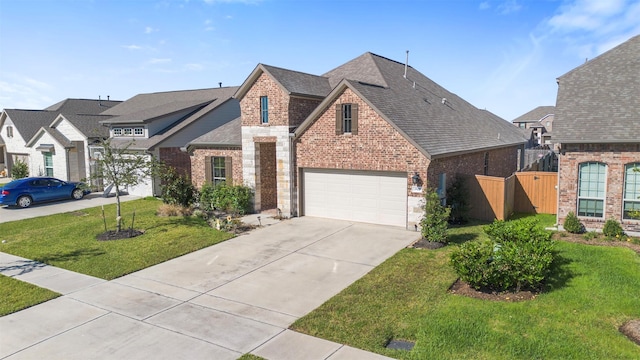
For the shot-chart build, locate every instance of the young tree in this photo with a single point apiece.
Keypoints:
(434, 223)
(121, 167)
(20, 169)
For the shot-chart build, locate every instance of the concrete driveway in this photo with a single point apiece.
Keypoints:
(91, 200)
(217, 303)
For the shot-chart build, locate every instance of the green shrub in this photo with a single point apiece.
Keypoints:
(612, 229)
(572, 224)
(19, 170)
(176, 188)
(234, 199)
(517, 255)
(458, 201)
(434, 223)
(590, 235)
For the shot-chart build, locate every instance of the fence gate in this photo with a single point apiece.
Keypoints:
(536, 192)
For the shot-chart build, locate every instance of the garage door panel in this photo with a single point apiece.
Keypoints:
(356, 196)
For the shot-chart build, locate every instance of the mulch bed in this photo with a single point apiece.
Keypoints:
(424, 244)
(123, 234)
(599, 241)
(462, 288)
(632, 330)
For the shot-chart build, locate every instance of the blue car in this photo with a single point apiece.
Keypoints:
(26, 191)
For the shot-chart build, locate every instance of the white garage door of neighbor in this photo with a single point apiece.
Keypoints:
(372, 197)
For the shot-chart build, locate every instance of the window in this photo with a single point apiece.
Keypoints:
(264, 110)
(522, 125)
(631, 197)
(486, 163)
(10, 131)
(219, 170)
(591, 189)
(117, 131)
(138, 131)
(346, 119)
(48, 163)
(128, 131)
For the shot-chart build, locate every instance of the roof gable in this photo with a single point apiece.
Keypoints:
(436, 121)
(229, 134)
(536, 114)
(291, 82)
(363, 68)
(599, 101)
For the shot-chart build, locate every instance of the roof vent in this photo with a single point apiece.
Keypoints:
(444, 101)
(220, 84)
(406, 64)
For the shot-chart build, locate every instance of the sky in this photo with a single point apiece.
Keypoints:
(500, 55)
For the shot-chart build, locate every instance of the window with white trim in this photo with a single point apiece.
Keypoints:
(48, 163)
(128, 131)
(631, 192)
(218, 166)
(138, 131)
(117, 131)
(9, 131)
(592, 179)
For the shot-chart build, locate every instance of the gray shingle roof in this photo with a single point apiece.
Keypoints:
(599, 101)
(145, 105)
(57, 135)
(89, 125)
(28, 122)
(216, 97)
(229, 134)
(439, 128)
(536, 114)
(82, 106)
(298, 83)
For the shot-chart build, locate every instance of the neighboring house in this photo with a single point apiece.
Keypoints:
(597, 126)
(359, 142)
(540, 120)
(54, 141)
(160, 124)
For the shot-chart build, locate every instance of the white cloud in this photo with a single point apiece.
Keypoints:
(159, 61)
(208, 25)
(17, 92)
(149, 30)
(509, 6)
(484, 5)
(587, 15)
(132, 47)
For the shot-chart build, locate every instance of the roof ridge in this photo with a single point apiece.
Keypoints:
(188, 90)
(599, 58)
(294, 71)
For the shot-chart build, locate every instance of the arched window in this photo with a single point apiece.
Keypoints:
(631, 191)
(592, 181)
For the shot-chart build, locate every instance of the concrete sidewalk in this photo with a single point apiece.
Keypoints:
(237, 297)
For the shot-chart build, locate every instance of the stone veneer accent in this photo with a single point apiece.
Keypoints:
(615, 156)
(198, 164)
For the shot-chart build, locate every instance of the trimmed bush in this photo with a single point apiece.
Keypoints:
(572, 224)
(233, 199)
(612, 229)
(517, 256)
(176, 188)
(434, 223)
(19, 170)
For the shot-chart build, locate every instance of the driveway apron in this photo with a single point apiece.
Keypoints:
(236, 297)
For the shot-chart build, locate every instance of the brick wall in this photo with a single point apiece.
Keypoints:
(268, 186)
(177, 159)
(278, 103)
(377, 146)
(502, 163)
(299, 109)
(615, 156)
(198, 164)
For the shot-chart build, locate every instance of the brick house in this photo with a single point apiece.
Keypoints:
(358, 142)
(597, 126)
(540, 121)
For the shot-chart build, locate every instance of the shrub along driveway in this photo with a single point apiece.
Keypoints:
(236, 297)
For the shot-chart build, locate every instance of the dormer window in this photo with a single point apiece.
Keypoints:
(136, 131)
(346, 119)
(128, 131)
(117, 131)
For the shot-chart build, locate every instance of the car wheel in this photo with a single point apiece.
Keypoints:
(24, 201)
(77, 194)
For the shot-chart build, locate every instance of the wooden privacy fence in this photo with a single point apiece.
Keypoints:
(526, 192)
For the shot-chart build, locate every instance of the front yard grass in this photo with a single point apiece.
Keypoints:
(593, 290)
(69, 240)
(18, 295)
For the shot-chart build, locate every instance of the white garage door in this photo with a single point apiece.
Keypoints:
(373, 197)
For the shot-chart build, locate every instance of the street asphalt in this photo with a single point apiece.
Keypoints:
(236, 297)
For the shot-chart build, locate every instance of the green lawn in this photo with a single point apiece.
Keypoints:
(18, 295)
(69, 240)
(592, 292)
